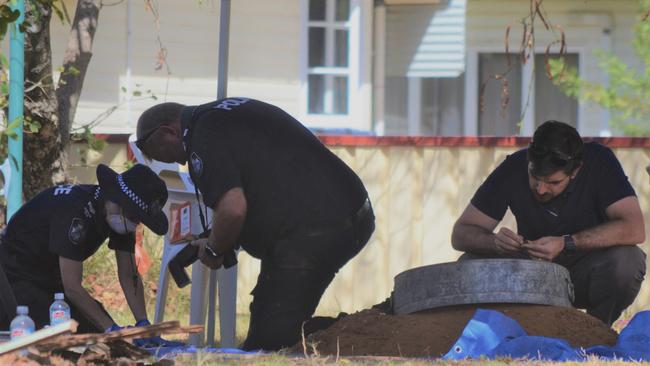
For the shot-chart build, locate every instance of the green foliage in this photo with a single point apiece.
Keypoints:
(81, 133)
(31, 126)
(11, 128)
(7, 16)
(628, 92)
(85, 134)
(61, 11)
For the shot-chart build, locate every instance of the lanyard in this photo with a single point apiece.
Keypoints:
(187, 146)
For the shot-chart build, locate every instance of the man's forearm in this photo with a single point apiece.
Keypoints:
(473, 239)
(225, 231)
(134, 294)
(131, 284)
(229, 215)
(608, 234)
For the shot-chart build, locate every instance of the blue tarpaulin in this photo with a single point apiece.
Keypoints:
(491, 334)
(168, 352)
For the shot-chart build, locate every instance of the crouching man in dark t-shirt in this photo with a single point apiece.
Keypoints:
(277, 192)
(574, 206)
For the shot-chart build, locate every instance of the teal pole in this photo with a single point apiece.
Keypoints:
(16, 96)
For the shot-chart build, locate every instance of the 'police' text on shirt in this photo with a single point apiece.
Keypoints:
(230, 103)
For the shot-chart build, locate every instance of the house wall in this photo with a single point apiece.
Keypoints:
(410, 35)
(418, 189)
(265, 53)
(588, 26)
(263, 63)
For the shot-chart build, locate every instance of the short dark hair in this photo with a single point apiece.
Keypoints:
(555, 146)
(162, 114)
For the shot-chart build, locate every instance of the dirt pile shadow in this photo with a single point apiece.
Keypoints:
(433, 332)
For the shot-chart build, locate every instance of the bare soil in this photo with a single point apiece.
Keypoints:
(432, 333)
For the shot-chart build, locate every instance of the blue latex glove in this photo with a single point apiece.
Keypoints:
(113, 328)
(142, 323)
(153, 342)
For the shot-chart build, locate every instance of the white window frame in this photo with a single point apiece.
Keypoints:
(358, 70)
(473, 85)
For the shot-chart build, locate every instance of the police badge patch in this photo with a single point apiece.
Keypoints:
(197, 164)
(77, 231)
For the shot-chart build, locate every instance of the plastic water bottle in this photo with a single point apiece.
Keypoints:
(59, 310)
(22, 323)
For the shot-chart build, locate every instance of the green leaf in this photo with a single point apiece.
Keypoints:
(4, 61)
(73, 71)
(137, 93)
(97, 144)
(123, 89)
(33, 126)
(59, 13)
(14, 124)
(9, 14)
(3, 28)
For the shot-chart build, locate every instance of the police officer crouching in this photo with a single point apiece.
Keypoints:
(46, 242)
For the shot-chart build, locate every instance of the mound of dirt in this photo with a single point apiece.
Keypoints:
(432, 333)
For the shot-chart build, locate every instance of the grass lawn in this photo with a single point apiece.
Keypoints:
(203, 359)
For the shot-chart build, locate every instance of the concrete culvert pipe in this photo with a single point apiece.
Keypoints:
(482, 281)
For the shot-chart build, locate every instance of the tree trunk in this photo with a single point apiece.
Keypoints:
(41, 149)
(75, 63)
(46, 151)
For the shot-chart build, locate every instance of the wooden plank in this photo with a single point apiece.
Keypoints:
(124, 334)
(38, 337)
(187, 329)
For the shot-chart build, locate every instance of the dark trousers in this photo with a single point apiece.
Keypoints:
(292, 281)
(605, 281)
(39, 300)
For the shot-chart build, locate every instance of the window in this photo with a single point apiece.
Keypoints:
(550, 101)
(529, 93)
(328, 72)
(442, 106)
(424, 106)
(493, 118)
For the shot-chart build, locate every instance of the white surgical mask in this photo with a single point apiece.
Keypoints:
(120, 224)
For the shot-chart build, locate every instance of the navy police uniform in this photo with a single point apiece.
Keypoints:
(307, 214)
(605, 281)
(62, 221)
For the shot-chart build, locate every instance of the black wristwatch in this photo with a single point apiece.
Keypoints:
(569, 245)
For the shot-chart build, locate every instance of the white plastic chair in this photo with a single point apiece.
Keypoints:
(204, 281)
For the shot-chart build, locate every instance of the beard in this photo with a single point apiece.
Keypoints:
(543, 198)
